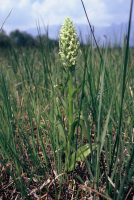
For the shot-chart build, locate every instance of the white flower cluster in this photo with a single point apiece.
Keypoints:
(68, 43)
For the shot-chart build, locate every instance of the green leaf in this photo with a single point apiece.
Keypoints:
(62, 132)
(84, 131)
(81, 154)
(81, 123)
(75, 91)
(106, 125)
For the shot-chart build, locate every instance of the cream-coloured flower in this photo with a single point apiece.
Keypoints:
(68, 43)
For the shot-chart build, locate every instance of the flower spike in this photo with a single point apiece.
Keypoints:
(68, 44)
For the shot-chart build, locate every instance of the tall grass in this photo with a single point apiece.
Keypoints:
(34, 124)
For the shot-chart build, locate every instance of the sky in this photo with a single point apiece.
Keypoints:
(25, 13)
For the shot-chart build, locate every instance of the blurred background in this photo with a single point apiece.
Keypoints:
(109, 19)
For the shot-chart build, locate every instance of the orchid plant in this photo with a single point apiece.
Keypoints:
(68, 51)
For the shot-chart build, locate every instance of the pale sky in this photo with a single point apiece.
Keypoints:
(25, 13)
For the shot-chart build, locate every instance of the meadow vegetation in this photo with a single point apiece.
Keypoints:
(34, 123)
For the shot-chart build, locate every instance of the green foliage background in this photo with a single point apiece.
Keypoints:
(34, 119)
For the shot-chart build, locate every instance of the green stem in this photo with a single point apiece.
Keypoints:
(70, 103)
(68, 152)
